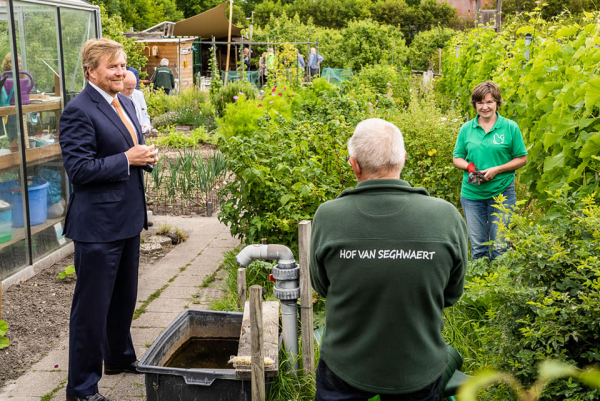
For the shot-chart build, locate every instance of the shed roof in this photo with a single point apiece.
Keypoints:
(209, 23)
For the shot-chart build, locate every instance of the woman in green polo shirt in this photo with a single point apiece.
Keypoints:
(490, 149)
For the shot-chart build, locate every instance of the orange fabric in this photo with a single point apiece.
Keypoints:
(117, 105)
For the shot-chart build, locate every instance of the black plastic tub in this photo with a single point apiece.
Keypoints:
(165, 383)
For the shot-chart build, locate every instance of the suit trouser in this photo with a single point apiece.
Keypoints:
(102, 309)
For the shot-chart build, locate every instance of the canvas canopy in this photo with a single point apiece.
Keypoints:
(213, 22)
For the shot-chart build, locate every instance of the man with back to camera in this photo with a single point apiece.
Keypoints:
(388, 258)
(137, 97)
(164, 77)
(103, 153)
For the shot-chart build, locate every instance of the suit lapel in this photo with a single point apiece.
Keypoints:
(110, 113)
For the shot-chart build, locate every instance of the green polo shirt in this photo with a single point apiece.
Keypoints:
(498, 146)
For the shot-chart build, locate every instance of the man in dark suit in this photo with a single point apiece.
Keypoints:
(103, 154)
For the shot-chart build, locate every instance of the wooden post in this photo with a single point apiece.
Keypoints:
(306, 314)
(498, 16)
(228, 41)
(440, 61)
(256, 344)
(241, 287)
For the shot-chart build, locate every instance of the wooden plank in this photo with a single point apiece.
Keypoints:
(271, 336)
(306, 313)
(257, 344)
(27, 108)
(241, 287)
(19, 232)
(34, 156)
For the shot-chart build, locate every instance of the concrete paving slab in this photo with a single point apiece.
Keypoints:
(161, 304)
(128, 390)
(173, 292)
(37, 383)
(56, 359)
(110, 381)
(142, 337)
(155, 319)
(188, 280)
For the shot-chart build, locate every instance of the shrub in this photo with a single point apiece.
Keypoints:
(286, 167)
(384, 80)
(542, 299)
(165, 119)
(429, 136)
(177, 139)
(230, 93)
(423, 51)
(242, 117)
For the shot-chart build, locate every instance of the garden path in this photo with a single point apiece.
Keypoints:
(176, 277)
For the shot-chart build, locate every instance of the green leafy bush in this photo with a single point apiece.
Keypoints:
(180, 140)
(286, 167)
(242, 117)
(542, 299)
(159, 102)
(384, 80)
(230, 93)
(429, 136)
(423, 50)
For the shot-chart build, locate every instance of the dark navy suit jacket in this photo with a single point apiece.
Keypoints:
(108, 202)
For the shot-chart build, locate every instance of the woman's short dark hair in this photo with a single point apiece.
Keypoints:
(482, 90)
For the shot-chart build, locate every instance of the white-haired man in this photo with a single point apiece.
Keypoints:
(388, 258)
(137, 96)
(314, 62)
(164, 77)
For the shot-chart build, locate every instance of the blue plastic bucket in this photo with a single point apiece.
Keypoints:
(38, 206)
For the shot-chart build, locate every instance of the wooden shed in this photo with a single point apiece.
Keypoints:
(177, 50)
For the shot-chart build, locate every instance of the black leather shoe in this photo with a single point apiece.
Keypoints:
(115, 370)
(92, 397)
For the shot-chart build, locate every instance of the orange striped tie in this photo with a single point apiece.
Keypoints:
(115, 103)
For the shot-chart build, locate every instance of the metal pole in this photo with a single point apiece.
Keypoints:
(228, 40)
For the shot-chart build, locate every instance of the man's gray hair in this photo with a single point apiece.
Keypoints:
(377, 145)
(164, 62)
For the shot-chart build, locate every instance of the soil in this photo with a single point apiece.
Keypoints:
(37, 311)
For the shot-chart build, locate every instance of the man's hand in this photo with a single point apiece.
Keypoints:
(141, 155)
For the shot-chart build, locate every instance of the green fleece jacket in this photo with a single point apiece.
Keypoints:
(388, 258)
(163, 78)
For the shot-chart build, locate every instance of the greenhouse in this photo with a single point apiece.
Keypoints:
(46, 38)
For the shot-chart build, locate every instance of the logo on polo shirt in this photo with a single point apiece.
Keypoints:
(498, 139)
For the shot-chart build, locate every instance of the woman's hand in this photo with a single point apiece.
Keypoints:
(490, 173)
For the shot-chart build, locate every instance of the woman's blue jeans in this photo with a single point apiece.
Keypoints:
(482, 218)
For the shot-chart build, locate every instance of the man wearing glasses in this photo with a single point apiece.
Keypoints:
(388, 258)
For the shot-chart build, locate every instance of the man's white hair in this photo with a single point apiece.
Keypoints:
(164, 62)
(377, 145)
